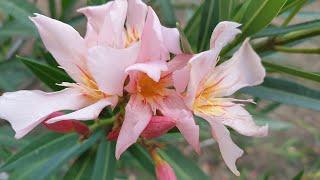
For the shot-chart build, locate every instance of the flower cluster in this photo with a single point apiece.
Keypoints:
(127, 58)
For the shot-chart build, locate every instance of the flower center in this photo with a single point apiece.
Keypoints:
(147, 87)
(91, 89)
(132, 36)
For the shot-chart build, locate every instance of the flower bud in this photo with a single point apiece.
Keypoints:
(66, 126)
(163, 169)
(158, 126)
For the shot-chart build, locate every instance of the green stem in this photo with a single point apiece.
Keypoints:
(102, 122)
(297, 50)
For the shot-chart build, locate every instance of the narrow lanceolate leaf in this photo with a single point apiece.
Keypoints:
(184, 42)
(105, 164)
(142, 157)
(66, 7)
(276, 31)
(257, 16)
(192, 28)
(184, 168)
(49, 75)
(209, 19)
(82, 168)
(226, 8)
(167, 13)
(33, 150)
(50, 165)
(286, 92)
(292, 71)
(20, 10)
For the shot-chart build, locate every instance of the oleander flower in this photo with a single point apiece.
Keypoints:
(208, 87)
(150, 90)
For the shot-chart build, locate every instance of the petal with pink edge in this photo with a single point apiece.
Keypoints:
(152, 68)
(107, 66)
(200, 66)
(112, 30)
(96, 15)
(174, 107)
(223, 34)
(88, 113)
(229, 150)
(26, 109)
(152, 45)
(136, 16)
(137, 116)
(171, 39)
(240, 120)
(64, 43)
(243, 69)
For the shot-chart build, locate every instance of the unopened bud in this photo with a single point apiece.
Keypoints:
(158, 126)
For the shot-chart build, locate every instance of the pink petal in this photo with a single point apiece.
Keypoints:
(107, 66)
(137, 117)
(171, 39)
(91, 37)
(64, 43)
(174, 107)
(136, 17)
(152, 68)
(152, 46)
(243, 69)
(88, 113)
(200, 65)
(229, 150)
(112, 31)
(223, 34)
(96, 15)
(181, 71)
(240, 120)
(26, 109)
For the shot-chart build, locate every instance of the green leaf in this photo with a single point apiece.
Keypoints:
(143, 157)
(14, 75)
(7, 138)
(82, 168)
(52, 8)
(38, 145)
(226, 8)
(167, 13)
(257, 16)
(192, 28)
(54, 163)
(241, 12)
(66, 7)
(96, 2)
(209, 19)
(276, 31)
(299, 175)
(292, 71)
(105, 165)
(286, 92)
(47, 74)
(184, 168)
(12, 29)
(20, 10)
(184, 43)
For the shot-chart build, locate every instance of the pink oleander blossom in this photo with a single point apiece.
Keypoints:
(149, 89)
(207, 87)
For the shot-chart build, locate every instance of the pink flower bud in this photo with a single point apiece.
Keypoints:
(113, 135)
(158, 126)
(163, 169)
(66, 126)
